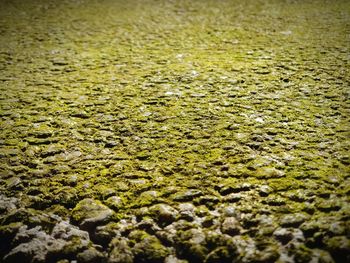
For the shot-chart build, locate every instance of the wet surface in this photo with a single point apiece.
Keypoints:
(174, 131)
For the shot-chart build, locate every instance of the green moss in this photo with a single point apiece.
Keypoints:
(112, 100)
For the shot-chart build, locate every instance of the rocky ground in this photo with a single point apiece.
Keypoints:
(174, 131)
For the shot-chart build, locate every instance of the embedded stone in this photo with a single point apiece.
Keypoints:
(163, 214)
(89, 213)
(231, 226)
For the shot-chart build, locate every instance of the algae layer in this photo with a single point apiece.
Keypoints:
(174, 131)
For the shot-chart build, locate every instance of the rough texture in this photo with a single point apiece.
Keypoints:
(174, 131)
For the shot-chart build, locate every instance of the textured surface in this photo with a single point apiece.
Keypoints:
(151, 131)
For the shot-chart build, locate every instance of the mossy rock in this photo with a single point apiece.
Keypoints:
(164, 214)
(221, 255)
(89, 213)
(120, 251)
(150, 250)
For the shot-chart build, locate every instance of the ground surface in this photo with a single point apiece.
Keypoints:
(152, 131)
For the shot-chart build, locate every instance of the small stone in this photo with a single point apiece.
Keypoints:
(339, 247)
(163, 214)
(72, 180)
(73, 238)
(69, 156)
(259, 119)
(229, 211)
(269, 172)
(143, 156)
(120, 251)
(111, 144)
(221, 254)
(114, 202)
(298, 196)
(309, 228)
(148, 225)
(105, 233)
(149, 249)
(286, 33)
(89, 213)
(149, 195)
(323, 255)
(32, 251)
(328, 205)
(337, 228)
(235, 188)
(208, 200)
(197, 236)
(174, 259)
(42, 133)
(233, 197)
(186, 211)
(186, 207)
(265, 190)
(274, 201)
(90, 255)
(233, 127)
(283, 235)
(52, 150)
(208, 221)
(231, 226)
(301, 253)
(6, 152)
(188, 195)
(12, 182)
(293, 220)
(80, 114)
(35, 245)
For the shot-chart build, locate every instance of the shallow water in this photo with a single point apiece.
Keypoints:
(152, 131)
